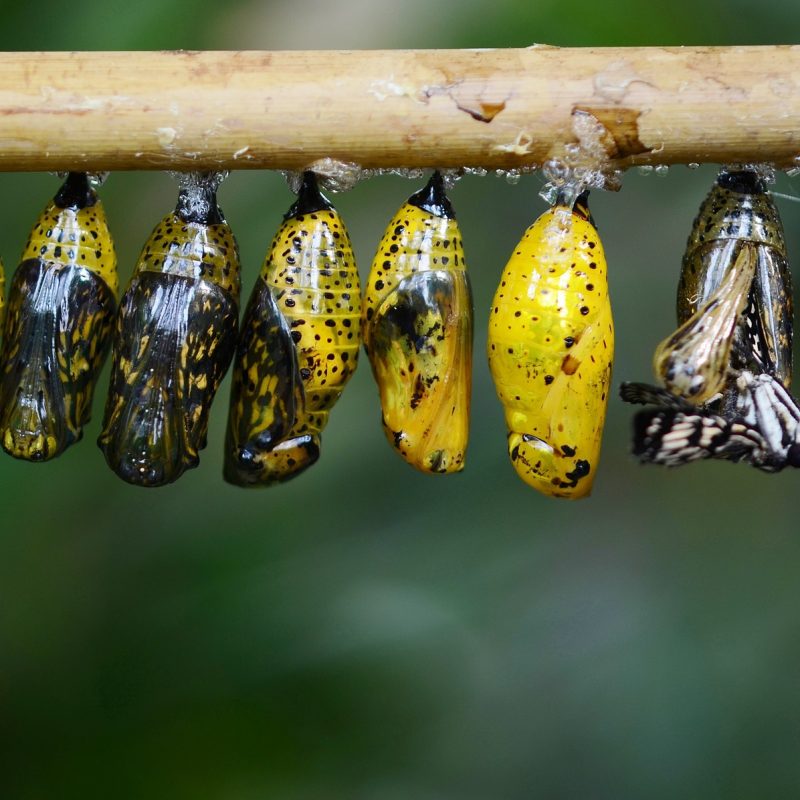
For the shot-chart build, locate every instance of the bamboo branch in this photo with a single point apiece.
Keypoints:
(446, 108)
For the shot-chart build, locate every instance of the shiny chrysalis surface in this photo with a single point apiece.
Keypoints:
(739, 213)
(58, 324)
(693, 362)
(174, 340)
(551, 344)
(298, 347)
(417, 328)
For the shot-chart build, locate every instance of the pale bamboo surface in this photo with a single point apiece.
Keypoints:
(442, 108)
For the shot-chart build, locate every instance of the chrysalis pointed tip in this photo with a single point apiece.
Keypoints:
(565, 198)
(309, 198)
(743, 181)
(76, 192)
(580, 205)
(433, 198)
(198, 204)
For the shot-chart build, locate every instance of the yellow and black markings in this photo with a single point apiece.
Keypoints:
(299, 345)
(551, 344)
(174, 340)
(417, 324)
(58, 324)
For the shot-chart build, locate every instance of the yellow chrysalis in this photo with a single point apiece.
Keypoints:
(551, 344)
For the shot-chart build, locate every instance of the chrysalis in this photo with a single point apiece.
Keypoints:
(551, 344)
(732, 353)
(693, 362)
(739, 213)
(174, 339)
(417, 328)
(298, 347)
(58, 324)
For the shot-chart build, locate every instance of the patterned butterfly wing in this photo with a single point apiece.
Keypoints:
(763, 430)
(644, 394)
(672, 438)
(266, 391)
(58, 331)
(169, 361)
(420, 348)
(304, 321)
(418, 327)
(764, 403)
(768, 330)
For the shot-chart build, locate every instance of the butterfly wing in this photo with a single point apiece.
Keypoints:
(420, 346)
(644, 394)
(769, 320)
(266, 395)
(174, 341)
(673, 437)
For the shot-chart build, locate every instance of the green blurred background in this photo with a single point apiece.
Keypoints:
(368, 632)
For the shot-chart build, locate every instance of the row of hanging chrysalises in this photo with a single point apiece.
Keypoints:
(725, 372)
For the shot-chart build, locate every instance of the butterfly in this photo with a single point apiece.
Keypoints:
(763, 429)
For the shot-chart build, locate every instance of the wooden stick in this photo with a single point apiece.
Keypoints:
(445, 108)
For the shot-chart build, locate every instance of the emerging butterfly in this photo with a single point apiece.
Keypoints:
(764, 429)
(298, 347)
(174, 340)
(739, 214)
(551, 344)
(417, 327)
(58, 326)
